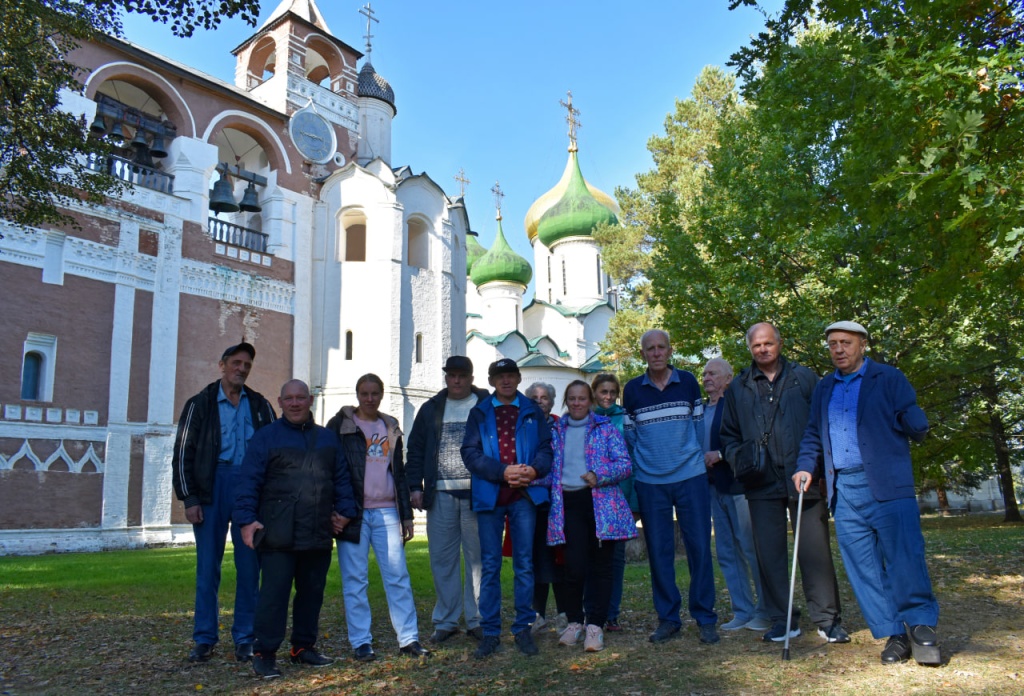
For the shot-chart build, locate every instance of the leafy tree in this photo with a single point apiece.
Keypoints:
(875, 175)
(681, 159)
(43, 150)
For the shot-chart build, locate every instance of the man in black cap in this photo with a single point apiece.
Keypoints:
(439, 483)
(507, 446)
(213, 431)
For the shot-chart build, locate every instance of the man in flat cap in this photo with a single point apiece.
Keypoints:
(213, 431)
(862, 418)
(439, 483)
(507, 446)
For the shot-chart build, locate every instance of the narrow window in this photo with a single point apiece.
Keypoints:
(418, 252)
(419, 347)
(348, 345)
(355, 243)
(598, 258)
(565, 280)
(31, 376)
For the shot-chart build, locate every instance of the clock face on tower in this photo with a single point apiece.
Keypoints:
(313, 136)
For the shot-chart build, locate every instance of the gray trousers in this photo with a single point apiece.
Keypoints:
(451, 525)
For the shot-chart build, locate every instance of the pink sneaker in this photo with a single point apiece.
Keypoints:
(571, 635)
(594, 642)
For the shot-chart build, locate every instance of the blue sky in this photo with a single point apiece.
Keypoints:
(477, 84)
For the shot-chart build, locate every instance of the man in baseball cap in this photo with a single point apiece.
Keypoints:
(440, 484)
(507, 445)
(863, 417)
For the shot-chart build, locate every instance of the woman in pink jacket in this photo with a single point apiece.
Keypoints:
(589, 513)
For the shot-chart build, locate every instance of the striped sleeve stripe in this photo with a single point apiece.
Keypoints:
(181, 451)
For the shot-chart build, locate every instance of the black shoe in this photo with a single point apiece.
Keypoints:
(440, 635)
(897, 649)
(477, 632)
(707, 634)
(310, 656)
(924, 644)
(835, 633)
(243, 652)
(488, 646)
(265, 665)
(364, 653)
(200, 653)
(524, 641)
(665, 631)
(414, 649)
(777, 633)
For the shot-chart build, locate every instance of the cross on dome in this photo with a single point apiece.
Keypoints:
(367, 12)
(498, 195)
(572, 118)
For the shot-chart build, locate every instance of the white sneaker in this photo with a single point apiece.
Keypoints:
(594, 642)
(571, 635)
(538, 623)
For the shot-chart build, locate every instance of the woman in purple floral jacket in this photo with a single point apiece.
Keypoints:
(589, 514)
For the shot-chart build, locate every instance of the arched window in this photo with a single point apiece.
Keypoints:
(348, 345)
(355, 243)
(565, 279)
(419, 244)
(419, 347)
(32, 376)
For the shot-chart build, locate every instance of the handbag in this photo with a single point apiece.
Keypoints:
(751, 462)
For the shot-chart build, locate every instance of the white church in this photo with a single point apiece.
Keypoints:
(270, 209)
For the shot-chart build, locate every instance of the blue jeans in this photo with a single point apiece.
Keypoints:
(734, 543)
(382, 530)
(618, 579)
(211, 537)
(883, 551)
(690, 501)
(522, 517)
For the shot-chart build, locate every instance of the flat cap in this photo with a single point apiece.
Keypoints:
(847, 326)
(243, 346)
(458, 363)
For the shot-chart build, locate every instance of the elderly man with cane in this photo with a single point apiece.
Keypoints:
(862, 418)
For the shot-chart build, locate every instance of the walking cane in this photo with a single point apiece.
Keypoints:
(792, 576)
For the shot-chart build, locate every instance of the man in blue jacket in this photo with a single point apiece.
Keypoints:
(862, 418)
(507, 446)
(294, 495)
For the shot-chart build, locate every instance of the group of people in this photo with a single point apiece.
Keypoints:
(498, 473)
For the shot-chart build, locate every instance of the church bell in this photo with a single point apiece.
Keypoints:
(222, 199)
(250, 201)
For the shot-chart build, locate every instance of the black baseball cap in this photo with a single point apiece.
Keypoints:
(243, 346)
(458, 363)
(502, 366)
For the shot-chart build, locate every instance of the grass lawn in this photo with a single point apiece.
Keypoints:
(120, 623)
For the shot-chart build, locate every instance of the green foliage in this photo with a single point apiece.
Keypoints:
(875, 174)
(44, 150)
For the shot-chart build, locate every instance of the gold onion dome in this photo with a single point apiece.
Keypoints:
(571, 209)
(501, 263)
(474, 251)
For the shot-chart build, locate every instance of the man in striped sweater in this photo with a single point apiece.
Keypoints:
(664, 429)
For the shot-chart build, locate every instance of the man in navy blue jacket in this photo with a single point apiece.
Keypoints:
(862, 418)
(507, 446)
(294, 495)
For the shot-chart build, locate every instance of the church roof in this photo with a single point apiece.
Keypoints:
(474, 251)
(371, 84)
(579, 205)
(566, 311)
(306, 9)
(539, 360)
(501, 263)
(594, 364)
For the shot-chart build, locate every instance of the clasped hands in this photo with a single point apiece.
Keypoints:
(519, 475)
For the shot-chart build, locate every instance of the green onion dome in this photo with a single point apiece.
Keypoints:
(474, 251)
(570, 177)
(576, 212)
(501, 263)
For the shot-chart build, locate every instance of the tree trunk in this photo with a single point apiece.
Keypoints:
(943, 497)
(998, 432)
